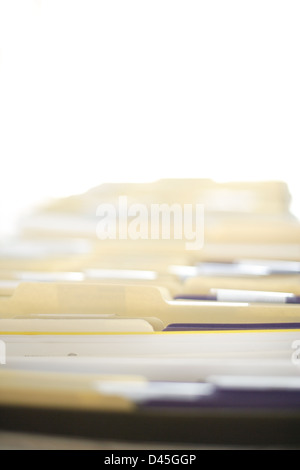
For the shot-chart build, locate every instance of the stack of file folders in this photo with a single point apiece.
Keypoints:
(113, 327)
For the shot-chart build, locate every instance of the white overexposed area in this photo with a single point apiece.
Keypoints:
(136, 90)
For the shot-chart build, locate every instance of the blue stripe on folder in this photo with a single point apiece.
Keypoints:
(234, 398)
(231, 327)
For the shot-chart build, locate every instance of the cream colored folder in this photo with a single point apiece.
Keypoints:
(278, 344)
(262, 197)
(10, 279)
(177, 367)
(135, 302)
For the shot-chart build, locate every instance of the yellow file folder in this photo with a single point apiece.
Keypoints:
(135, 301)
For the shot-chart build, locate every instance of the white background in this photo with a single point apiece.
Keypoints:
(123, 90)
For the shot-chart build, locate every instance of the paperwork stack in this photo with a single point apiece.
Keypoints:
(173, 305)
